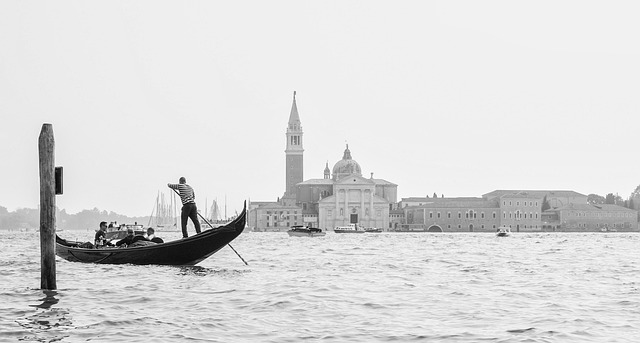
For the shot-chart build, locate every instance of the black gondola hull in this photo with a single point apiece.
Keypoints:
(187, 251)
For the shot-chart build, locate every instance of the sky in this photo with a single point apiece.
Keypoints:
(459, 98)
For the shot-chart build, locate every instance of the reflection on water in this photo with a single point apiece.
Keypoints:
(47, 324)
(48, 300)
(204, 271)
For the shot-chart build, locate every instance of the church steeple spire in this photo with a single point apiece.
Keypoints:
(327, 171)
(294, 153)
(294, 117)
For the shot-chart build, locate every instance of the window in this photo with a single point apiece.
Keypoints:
(448, 214)
(438, 215)
(494, 215)
(459, 215)
(482, 215)
(430, 214)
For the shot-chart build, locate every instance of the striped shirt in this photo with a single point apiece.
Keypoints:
(187, 195)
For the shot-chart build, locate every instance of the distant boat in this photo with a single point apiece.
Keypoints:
(163, 216)
(120, 231)
(214, 215)
(351, 228)
(372, 230)
(305, 231)
(503, 231)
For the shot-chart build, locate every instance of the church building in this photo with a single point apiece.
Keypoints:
(343, 196)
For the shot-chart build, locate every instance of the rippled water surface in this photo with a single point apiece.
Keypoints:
(338, 288)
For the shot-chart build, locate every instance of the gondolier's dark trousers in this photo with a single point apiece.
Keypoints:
(189, 210)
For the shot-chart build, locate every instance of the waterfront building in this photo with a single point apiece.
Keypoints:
(587, 217)
(343, 196)
(464, 214)
(521, 210)
(347, 197)
(273, 216)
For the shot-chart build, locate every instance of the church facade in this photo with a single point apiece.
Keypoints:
(343, 196)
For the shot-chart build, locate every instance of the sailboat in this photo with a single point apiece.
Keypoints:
(163, 216)
(213, 214)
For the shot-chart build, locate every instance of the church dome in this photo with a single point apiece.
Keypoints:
(346, 166)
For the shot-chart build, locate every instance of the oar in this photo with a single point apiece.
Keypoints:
(206, 221)
(234, 250)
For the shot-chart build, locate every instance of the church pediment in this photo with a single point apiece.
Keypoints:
(354, 179)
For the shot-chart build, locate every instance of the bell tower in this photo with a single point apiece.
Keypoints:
(293, 153)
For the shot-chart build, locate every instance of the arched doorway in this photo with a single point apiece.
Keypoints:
(434, 228)
(470, 227)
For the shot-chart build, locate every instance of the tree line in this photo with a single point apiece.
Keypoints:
(614, 199)
(27, 218)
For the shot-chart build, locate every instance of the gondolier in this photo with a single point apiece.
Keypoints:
(189, 209)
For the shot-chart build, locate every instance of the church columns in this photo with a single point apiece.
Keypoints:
(362, 210)
(371, 213)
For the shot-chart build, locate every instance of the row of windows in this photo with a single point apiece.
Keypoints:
(601, 214)
(599, 225)
(519, 215)
(493, 226)
(275, 218)
(524, 203)
(274, 224)
(470, 227)
(468, 215)
(295, 212)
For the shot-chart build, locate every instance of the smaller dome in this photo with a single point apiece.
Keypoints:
(346, 166)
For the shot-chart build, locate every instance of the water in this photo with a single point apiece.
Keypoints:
(338, 288)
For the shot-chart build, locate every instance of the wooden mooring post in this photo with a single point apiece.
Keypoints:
(46, 149)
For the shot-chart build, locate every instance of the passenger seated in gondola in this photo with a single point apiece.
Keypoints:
(151, 235)
(127, 240)
(100, 239)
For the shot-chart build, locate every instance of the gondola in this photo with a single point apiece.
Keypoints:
(183, 252)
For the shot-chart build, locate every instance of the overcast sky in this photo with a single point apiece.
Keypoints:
(458, 98)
